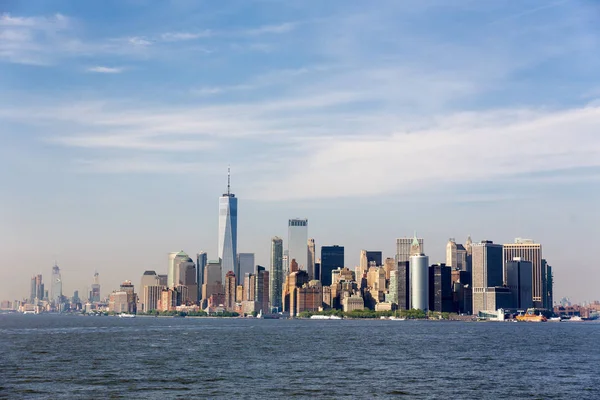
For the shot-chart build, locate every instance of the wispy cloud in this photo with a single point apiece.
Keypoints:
(272, 29)
(106, 70)
(182, 36)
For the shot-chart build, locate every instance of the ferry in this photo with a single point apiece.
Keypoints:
(531, 315)
(124, 315)
(397, 319)
(554, 319)
(575, 318)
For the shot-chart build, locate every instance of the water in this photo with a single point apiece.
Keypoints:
(46, 356)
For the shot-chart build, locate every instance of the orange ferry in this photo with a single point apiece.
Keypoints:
(531, 315)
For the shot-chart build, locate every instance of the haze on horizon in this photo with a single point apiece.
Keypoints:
(118, 120)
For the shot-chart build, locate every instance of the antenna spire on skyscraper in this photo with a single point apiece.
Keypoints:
(228, 180)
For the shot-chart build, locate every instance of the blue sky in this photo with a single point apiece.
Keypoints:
(118, 120)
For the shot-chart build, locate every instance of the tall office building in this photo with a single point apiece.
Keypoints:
(152, 296)
(440, 288)
(403, 284)
(245, 265)
(404, 248)
(519, 280)
(310, 263)
(149, 278)
(528, 250)
(456, 255)
(230, 288)
(469, 250)
(201, 260)
(276, 273)
(374, 257)
(332, 258)
(179, 263)
(488, 267)
(419, 282)
(228, 211)
(171, 276)
(297, 242)
(212, 279)
(548, 285)
(56, 286)
(262, 288)
(95, 290)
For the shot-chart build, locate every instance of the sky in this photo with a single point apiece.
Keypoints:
(118, 120)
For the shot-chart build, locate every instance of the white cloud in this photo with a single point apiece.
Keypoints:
(181, 36)
(106, 70)
(272, 29)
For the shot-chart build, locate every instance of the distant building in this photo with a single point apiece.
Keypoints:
(245, 266)
(374, 257)
(249, 287)
(95, 289)
(152, 297)
(118, 302)
(128, 288)
(276, 273)
(456, 256)
(519, 275)
(462, 293)
(310, 264)
(309, 297)
(297, 242)
(487, 275)
(419, 282)
(403, 283)
(212, 279)
(56, 286)
(332, 258)
(389, 265)
(149, 278)
(296, 279)
(528, 250)
(168, 299)
(353, 303)
(262, 288)
(201, 260)
(230, 291)
(404, 248)
(548, 286)
(440, 288)
(228, 214)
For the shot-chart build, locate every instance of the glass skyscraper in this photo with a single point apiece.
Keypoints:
(228, 230)
(56, 285)
(332, 258)
(298, 242)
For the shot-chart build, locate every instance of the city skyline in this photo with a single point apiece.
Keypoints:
(371, 122)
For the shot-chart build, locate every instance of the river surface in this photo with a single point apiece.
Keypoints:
(53, 357)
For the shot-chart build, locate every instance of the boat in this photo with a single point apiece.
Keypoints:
(397, 319)
(124, 315)
(531, 315)
(554, 319)
(325, 317)
(575, 318)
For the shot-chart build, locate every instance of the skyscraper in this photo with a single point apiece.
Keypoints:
(403, 285)
(456, 255)
(178, 265)
(310, 264)
(228, 208)
(230, 286)
(419, 282)
(440, 288)
(245, 265)
(149, 278)
(276, 273)
(528, 250)
(487, 275)
(519, 280)
(212, 279)
(262, 288)
(403, 248)
(56, 286)
(297, 242)
(332, 258)
(374, 257)
(95, 291)
(201, 260)
(171, 276)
